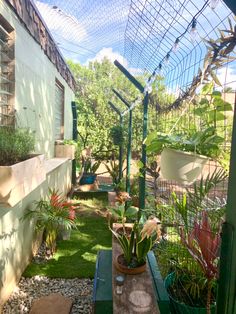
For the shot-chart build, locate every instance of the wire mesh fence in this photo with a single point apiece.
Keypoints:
(186, 51)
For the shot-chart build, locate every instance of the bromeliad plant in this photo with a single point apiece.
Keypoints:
(52, 215)
(136, 246)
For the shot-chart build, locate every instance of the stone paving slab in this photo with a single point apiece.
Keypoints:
(54, 303)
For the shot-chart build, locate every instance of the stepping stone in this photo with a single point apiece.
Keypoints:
(53, 303)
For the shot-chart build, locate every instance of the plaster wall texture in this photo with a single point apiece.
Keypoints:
(18, 239)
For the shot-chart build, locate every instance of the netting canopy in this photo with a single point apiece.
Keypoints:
(144, 35)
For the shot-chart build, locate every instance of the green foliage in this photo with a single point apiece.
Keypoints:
(189, 286)
(112, 168)
(204, 128)
(91, 166)
(116, 133)
(197, 197)
(120, 214)
(15, 145)
(205, 142)
(70, 142)
(95, 117)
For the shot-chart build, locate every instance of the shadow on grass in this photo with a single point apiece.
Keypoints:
(76, 257)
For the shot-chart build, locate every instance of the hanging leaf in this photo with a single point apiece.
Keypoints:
(150, 138)
(216, 94)
(215, 78)
(230, 48)
(204, 101)
(140, 164)
(216, 116)
(207, 89)
(222, 105)
(200, 111)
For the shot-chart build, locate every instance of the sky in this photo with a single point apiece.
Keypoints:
(138, 33)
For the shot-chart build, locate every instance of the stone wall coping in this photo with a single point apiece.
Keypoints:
(53, 163)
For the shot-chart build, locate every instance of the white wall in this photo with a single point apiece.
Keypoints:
(35, 79)
(17, 237)
(35, 87)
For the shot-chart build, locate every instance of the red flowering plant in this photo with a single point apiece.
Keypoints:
(198, 218)
(52, 215)
(203, 245)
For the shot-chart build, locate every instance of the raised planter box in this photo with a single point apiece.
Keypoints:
(18, 180)
(65, 151)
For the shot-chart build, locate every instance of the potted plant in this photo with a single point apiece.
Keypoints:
(136, 245)
(184, 155)
(112, 167)
(89, 168)
(203, 245)
(52, 215)
(191, 284)
(65, 149)
(20, 170)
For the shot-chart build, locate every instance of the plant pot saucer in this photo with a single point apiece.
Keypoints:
(119, 263)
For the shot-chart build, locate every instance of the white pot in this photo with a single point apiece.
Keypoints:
(183, 167)
(18, 180)
(64, 234)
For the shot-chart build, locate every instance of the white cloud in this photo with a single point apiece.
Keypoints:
(136, 71)
(110, 55)
(62, 23)
(227, 77)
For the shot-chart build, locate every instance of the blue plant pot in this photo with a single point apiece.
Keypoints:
(182, 308)
(87, 179)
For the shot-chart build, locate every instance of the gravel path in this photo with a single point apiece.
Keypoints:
(79, 290)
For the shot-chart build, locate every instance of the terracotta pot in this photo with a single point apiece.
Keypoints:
(127, 270)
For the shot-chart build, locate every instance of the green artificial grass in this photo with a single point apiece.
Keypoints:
(77, 257)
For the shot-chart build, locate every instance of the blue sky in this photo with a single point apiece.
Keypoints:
(138, 33)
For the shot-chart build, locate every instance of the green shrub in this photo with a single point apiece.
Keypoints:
(116, 133)
(15, 145)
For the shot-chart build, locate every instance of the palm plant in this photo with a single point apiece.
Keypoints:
(52, 215)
